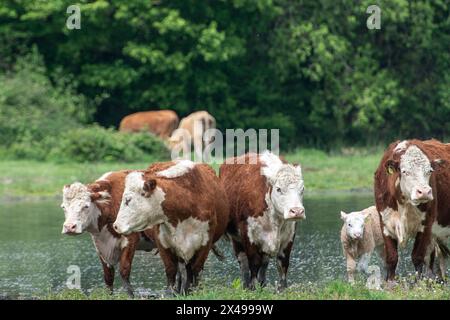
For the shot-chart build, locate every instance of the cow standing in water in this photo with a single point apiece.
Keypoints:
(93, 208)
(413, 178)
(186, 205)
(266, 200)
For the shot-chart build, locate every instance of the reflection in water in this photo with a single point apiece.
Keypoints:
(34, 255)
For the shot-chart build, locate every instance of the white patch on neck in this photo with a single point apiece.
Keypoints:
(104, 176)
(186, 238)
(270, 232)
(107, 246)
(180, 168)
(401, 146)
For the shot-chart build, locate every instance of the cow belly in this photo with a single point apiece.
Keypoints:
(271, 238)
(109, 247)
(186, 238)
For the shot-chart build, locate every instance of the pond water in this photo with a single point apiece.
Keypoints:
(35, 256)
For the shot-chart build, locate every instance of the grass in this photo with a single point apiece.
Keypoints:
(343, 171)
(335, 290)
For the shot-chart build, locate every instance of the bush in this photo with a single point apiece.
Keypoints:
(95, 143)
(32, 108)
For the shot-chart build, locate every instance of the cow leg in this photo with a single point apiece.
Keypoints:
(254, 262)
(419, 252)
(391, 257)
(170, 265)
(363, 263)
(283, 265)
(108, 275)
(185, 283)
(262, 270)
(351, 268)
(243, 263)
(126, 259)
(199, 260)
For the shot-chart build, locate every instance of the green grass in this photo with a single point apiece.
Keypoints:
(348, 170)
(335, 290)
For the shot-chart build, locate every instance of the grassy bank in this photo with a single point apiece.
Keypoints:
(322, 172)
(335, 290)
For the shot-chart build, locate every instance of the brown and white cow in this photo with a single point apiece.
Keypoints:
(187, 205)
(266, 200)
(159, 122)
(93, 208)
(413, 178)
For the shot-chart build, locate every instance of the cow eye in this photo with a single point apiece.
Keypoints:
(86, 206)
(127, 201)
(350, 225)
(62, 206)
(279, 190)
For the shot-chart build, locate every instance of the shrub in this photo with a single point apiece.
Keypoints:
(95, 143)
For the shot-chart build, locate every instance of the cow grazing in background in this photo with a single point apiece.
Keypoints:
(160, 122)
(190, 132)
(186, 205)
(413, 178)
(93, 208)
(360, 237)
(266, 200)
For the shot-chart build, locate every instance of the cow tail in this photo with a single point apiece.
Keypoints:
(443, 247)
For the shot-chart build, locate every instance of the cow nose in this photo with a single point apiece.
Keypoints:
(116, 228)
(70, 227)
(424, 193)
(358, 235)
(297, 212)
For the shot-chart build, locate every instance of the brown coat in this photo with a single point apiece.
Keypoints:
(161, 123)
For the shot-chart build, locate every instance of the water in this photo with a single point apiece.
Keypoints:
(34, 255)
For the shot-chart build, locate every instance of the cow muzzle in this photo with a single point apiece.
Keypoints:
(422, 194)
(119, 229)
(296, 213)
(70, 229)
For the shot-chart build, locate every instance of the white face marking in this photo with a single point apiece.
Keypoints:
(180, 168)
(354, 224)
(415, 173)
(287, 186)
(186, 238)
(80, 212)
(137, 212)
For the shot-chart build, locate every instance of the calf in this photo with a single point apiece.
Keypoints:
(413, 178)
(266, 200)
(93, 208)
(360, 237)
(187, 205)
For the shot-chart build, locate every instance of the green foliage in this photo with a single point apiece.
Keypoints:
(96, 144)
(310, 68)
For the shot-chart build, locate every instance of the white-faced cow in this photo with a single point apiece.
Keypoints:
(266, 200)
(413, 178)
(93, 208)
(187, 205)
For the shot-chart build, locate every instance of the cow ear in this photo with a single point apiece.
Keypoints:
(298, 169)
(100, 196)
(101, 185)
(149, 186)
(438, 163)
(343, 215)
(391, 166)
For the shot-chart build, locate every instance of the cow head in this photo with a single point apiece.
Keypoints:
(414, 169)
(287, 189)
(80, 210)
(354, 223)
(141, 207)
(394, 226)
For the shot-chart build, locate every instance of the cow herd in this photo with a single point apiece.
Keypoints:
(183, 208)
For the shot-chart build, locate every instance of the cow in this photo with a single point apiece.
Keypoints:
(360, 237)
(186, 204)
(93, 208)
(266, 199)
(160, 122)
(191, 132)
(413, 178)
